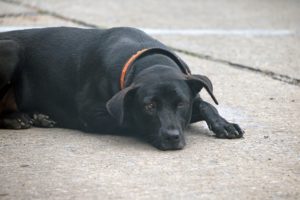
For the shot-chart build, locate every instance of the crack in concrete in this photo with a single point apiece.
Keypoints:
(273, 75)
(50, 13)
(12, 15)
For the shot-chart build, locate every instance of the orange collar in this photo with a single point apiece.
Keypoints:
(184, 68)
(127, 65)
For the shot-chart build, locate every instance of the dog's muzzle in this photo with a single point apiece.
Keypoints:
(170, 139)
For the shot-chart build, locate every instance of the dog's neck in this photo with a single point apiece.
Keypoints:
(158, 74)
(150, 61)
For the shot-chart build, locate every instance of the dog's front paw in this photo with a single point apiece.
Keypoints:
(16, 120)
(41, 120)
(224, 129)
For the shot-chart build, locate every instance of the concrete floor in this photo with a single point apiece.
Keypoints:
(256, 80)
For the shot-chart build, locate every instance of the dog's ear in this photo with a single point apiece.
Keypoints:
(117, 104)
(197, 82)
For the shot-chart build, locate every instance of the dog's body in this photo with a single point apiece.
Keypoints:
(73, 76)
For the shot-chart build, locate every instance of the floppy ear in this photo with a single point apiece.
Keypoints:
(197, 82)
(117, 104)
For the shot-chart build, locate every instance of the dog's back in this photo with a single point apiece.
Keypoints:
(55, 65)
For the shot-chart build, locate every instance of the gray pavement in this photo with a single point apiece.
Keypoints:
(68, 164)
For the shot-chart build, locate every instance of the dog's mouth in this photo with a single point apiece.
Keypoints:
(171, 146)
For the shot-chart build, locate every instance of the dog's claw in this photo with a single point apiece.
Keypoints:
(31, 122)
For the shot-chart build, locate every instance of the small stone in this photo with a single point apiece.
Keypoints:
(24, 165)
(266, 136)
(271, 98)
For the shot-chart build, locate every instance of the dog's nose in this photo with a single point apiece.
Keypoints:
(172, 135)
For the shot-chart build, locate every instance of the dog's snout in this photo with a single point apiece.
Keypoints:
(171, 139)
(172, 135)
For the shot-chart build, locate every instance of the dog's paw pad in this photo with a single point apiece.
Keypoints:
(42, 120)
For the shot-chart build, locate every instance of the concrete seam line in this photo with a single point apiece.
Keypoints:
(273, 75)
(10, 15)
(53, 14)
(220, 32)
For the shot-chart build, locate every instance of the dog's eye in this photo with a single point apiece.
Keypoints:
(150, 107)
(181, 104)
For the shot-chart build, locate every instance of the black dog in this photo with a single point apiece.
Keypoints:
(112, 80)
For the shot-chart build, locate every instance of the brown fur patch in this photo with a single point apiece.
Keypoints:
(8, 102)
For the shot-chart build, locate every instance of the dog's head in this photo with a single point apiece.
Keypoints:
(159, 104)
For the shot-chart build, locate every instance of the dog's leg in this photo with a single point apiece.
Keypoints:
(9, 58)
(9, 115)
(220, 126)
(98, 120)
